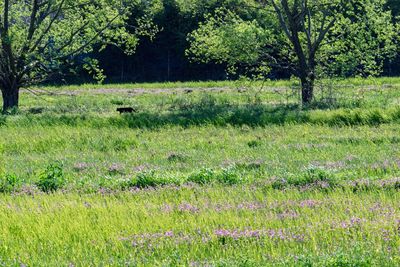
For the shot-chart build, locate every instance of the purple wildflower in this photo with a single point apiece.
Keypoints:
(353, 222)
(390, 183)
(115, 168)
(167, 208)
(386, 235)
(169, 234)
(81, 166)
(250, 206)
(141, 168)
(309, 203)
(186, 207)
(288, 214)
(237, 234)
(279, 234)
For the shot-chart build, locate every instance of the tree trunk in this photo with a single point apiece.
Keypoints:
(10, 98)
(307, 88)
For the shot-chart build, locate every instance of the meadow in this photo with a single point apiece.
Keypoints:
(202, 174)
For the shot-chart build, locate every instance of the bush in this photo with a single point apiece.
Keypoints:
(229, 177)
(51, 179)
(204, 176)
(254, 143)
(9, 182)
(312, 177)
(376, 117)
(148, 179)
(207, 176)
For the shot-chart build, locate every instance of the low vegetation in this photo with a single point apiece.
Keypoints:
(221, 175)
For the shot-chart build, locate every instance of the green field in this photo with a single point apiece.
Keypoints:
(202, 174)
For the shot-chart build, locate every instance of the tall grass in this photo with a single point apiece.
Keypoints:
(196, 226)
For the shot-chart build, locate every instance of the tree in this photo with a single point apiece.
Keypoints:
(341, 37)
(39, 37)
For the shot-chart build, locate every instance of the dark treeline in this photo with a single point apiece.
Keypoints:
(163, 59)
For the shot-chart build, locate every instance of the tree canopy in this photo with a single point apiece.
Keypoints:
(39, 37)
(309, 38)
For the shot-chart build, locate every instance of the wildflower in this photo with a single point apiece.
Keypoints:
(353, 222)
(81, 166)
(186, 207)
(169, 234)
(167, 208)
(236, 234)
(250, 206)
(115, 168)
(288, 214)
(309, 203)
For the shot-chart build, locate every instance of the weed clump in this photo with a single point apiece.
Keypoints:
(176, 157)
(204, 176)
(52, 178)
(9, 183)
(149, 179)
(227, 176)
(312, 177)
(254, 143)
(3, 120)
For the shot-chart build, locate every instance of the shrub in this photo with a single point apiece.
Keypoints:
(9, 182)
(278, 183)
(120, 144)
(229, 177)
(52, 178)
(376, 117)
(395, 114)
(117, 102)
(254, 143)
(204, 176)
(147, 179)
(312, 177)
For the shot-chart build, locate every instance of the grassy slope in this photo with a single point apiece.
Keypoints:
(174, 136)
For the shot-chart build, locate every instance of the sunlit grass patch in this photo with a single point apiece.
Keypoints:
(155, 226)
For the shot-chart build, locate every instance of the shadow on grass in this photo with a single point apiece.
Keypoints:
(252, 115)
(219, 115)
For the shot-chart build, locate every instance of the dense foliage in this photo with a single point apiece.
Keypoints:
(165, 60)
(310, 38)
